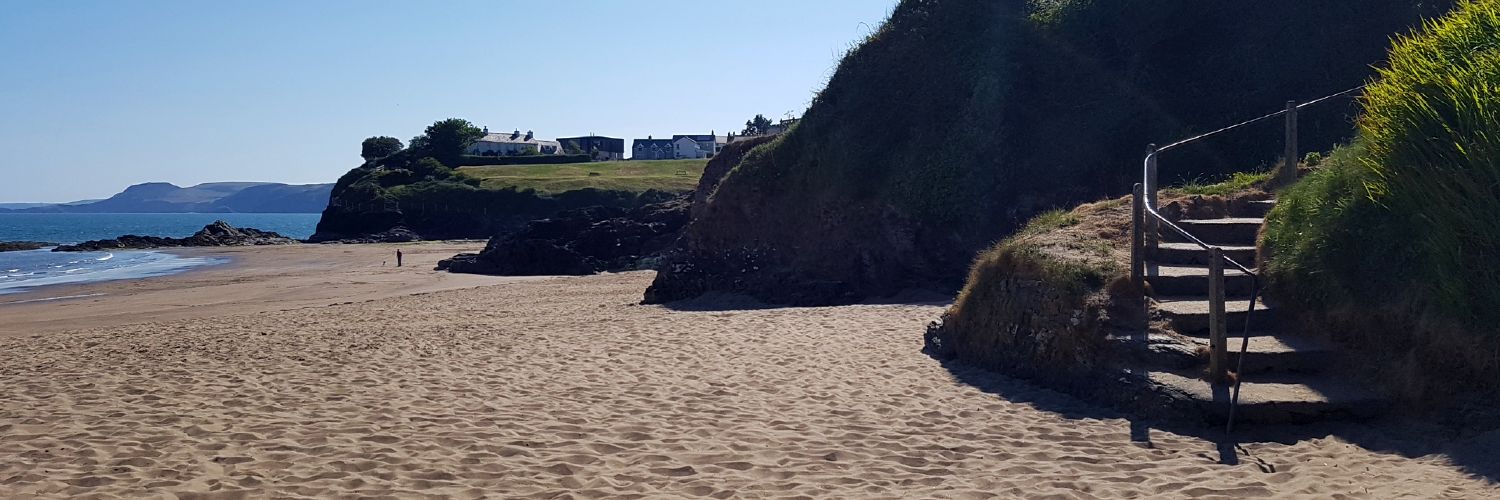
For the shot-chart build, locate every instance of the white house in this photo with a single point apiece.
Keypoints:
(511, 144)
(698, 146)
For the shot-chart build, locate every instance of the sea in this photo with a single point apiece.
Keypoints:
(24, 270)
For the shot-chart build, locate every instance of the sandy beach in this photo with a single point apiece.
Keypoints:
(256, 279)
(313, 373)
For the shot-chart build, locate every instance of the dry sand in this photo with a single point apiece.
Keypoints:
(564, 388)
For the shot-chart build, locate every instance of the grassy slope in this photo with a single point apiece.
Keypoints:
(1394, 243)
(633, 176)
(957, 121)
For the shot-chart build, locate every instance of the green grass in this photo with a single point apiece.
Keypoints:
(1397, 237)
(1237, 182)
(631, 176)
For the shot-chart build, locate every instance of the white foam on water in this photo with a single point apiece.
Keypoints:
(134, 265)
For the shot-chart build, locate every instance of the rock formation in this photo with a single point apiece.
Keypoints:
(218, 234)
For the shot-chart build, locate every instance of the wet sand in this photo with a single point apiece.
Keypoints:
(257, 279)
(565, 388)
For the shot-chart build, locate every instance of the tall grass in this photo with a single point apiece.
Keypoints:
(1400, 233)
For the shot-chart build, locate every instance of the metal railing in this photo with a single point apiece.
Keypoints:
(1146, 235)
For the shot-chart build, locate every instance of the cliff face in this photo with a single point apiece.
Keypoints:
(958, 120)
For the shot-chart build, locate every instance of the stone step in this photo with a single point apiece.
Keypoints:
(1290, 399)
(1193, 280)
(1189, 315)
(1258, 208)
(1277, 353)
(1240, 231)
(1189, 254)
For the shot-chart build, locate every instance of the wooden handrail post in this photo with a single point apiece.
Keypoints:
(1289, 165)
(1138, 237)
(1218, 341)
(1153, 226)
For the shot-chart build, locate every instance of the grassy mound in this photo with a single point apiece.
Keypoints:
(677, 176)
(1042, 302)
(1394, 243)
(957, 121)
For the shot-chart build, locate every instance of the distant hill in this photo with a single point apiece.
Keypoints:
(214, 197)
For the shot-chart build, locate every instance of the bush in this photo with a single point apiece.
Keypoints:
(1396, 238)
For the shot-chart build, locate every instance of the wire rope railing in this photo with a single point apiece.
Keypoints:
(1148, 222)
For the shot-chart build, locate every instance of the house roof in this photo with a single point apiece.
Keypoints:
(510, 138)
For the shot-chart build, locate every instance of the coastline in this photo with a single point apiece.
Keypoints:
(252, 279)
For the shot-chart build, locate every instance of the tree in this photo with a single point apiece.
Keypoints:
(447, 140)
(757, 126)
(379, 147)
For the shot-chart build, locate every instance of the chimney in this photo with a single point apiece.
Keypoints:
(486, 130)
(528, 135)
(516, 133)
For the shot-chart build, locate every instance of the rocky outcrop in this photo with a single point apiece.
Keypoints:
(579, 242)
(398, 234)
(218, 234)
(16, 246)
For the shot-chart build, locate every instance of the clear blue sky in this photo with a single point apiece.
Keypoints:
(98, 95)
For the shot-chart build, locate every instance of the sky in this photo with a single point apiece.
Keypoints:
(99, 95)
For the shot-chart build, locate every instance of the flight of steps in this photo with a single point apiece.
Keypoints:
(1285, 377)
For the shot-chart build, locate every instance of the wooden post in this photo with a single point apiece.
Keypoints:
(1153, 226)
(1138, 237)
(1218, 342)
(1289, 166)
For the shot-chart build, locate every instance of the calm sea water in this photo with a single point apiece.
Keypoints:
(20, 271)
(74, 228)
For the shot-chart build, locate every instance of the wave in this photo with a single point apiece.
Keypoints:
(106, 256)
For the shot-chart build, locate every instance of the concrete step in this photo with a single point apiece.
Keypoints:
(1190, 254)
(1277, 353)
(1258, 208)
(1193, 280)
(1292, 399)
(1189, 315)
(1241, 231)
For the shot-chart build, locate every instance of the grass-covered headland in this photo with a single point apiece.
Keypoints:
(957, 121)
(1394, 243)
(414, 187)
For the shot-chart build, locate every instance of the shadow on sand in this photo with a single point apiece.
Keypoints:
(1473, 446)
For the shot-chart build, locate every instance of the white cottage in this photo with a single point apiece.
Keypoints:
(511, 144)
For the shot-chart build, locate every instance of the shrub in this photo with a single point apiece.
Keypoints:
(1396, 238)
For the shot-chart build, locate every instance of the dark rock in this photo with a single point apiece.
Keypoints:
(218, 234)
(15, 246)
(398, 234)
(578, 242)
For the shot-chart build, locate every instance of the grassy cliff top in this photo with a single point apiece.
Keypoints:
(631, 176)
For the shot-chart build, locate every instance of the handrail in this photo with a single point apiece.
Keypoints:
(1147, 190)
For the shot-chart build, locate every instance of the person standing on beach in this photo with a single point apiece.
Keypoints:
(398, 257)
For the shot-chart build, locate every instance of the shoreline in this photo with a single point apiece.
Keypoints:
(252, 279)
